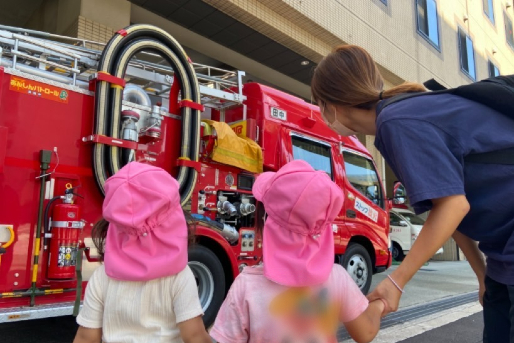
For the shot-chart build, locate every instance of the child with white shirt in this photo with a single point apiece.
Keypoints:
(144, 291)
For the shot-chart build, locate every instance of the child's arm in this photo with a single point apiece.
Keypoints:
(86, 335)
(90, 317)
(193, 331)
(365, 327)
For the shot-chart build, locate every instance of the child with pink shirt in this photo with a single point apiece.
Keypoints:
(298, 294)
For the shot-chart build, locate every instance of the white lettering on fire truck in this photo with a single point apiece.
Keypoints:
(365, 209)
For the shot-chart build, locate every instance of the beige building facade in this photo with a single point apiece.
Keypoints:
(279, 42)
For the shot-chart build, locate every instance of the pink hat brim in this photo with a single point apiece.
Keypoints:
(296, 260)
(262, 184)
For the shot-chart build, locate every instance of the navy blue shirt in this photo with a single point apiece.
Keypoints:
(425, 139)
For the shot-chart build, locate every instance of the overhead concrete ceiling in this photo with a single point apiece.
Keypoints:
(17, 13)
(209, 22)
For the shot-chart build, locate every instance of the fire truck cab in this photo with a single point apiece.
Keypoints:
(73, 113)
(293, 129)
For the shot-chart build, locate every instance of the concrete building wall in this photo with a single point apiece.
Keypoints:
(388, 31)
(95, 20)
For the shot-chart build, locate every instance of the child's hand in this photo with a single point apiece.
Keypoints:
(381, 306)
(366, 326)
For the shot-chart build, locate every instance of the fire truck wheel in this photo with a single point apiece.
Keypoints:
(358, 264)
(210, 280)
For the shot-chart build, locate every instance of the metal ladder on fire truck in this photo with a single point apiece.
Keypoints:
(70, 63)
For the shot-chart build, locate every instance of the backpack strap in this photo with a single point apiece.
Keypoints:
(404, 96)
(505, 157)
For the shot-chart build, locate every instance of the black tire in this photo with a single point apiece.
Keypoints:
(397, 252)
(357, 263)
(210, 279)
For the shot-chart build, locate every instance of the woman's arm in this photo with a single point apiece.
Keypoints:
(475, 258)
(445, 216)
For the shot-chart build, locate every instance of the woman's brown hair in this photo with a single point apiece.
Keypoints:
(348, 76)
(99, 233)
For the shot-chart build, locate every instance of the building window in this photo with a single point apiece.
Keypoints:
(384, 2)
(467, 55)
(508, 31)
(488, 9)
(493, 70)
(362, 175)
(428, 21)
(316, 154)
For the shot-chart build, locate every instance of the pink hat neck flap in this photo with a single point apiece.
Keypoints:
(298, 244)
(147, 235)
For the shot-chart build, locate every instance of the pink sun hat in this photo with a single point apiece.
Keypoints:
(298, 242)
(147, 235)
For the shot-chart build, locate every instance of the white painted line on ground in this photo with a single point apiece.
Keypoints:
(410, 329)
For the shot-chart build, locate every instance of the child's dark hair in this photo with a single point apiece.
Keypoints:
(260, 218)
(99, 233)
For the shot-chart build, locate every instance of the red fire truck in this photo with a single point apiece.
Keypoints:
(73, 112)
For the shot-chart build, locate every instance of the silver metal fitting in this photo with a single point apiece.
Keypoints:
(153, 123)
(246, 208)
(129, 128)
(227, 207)
(230, 233)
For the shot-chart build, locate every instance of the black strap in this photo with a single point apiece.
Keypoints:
(505, 156)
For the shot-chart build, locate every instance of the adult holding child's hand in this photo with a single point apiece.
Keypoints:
(450, 153)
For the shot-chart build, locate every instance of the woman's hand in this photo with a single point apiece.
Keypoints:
(481, 292)
(387, 291)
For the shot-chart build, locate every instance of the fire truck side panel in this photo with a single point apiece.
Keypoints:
(40, 116)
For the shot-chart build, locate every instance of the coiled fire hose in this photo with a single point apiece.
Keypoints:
(108, 100)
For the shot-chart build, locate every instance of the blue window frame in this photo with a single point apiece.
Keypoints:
(488, 9)
(493, 69)
(508, 31)
(428, 22)
(467, 55)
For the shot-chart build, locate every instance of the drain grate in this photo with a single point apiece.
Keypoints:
(418, 311)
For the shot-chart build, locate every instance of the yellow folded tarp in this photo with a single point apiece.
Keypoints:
(233, 150)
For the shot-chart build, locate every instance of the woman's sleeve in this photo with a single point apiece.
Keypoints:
(425, 158)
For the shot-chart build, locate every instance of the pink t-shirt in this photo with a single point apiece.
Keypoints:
(259, 310)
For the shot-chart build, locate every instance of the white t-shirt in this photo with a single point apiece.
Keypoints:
(140, 311)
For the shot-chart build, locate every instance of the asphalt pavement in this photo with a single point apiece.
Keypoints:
(468, 330)
(439, 305)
